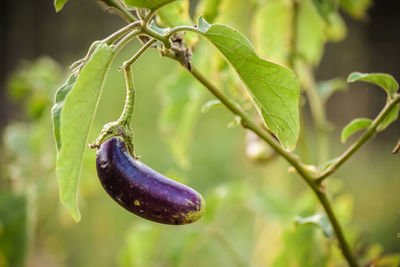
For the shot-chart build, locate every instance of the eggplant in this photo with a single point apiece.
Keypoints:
(143, 191)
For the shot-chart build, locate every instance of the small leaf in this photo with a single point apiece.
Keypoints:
(73, 119)
(150, 4)
(58, 4)
(325, 8)
(356, 8)
(319, 220)
(390, 117)
(210, 104)
(383, 80)
(273, 88)
(354, 126)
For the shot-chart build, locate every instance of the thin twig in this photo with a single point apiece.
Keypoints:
(368, 134)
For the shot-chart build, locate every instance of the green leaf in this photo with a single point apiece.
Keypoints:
(61, 94)
(320, 220)
(74, 122)
(272, 30)
(390, 117)
(13, 229)
(325, 8)
(150, 4)
(353, 127)
(273, 88)
(356, 8)
(209, 9)
(383, 80)
(58, 4)
(310, 39)
(181, 98)
(175, 14)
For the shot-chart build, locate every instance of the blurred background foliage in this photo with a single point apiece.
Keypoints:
(253, 202)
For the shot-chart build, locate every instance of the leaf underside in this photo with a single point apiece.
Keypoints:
(273, 88)
(73, 113)
(353, 127)
(383, 80)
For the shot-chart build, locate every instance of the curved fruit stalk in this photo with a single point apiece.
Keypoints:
(143, 191)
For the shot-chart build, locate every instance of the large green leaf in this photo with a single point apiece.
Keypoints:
(383, 80)
(72, 123)
(272, 30)
(150, 4)
(181, 99)
(353, 127)
(58, 4)
(273, 88)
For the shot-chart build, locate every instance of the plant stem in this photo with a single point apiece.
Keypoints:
(110, 39)
(130, 89)
(368, 134)
(292, 159)
(120, 8)
(262, 133)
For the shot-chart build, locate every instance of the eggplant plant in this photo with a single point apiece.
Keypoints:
(269, 105)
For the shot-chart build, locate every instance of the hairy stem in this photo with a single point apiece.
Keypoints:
(368, 134)
(130, 89)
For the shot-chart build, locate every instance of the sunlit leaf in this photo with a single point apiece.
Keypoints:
(273, 88)
(209, 9)
(273, 30)
(181, 100)
(310, 38)
(74, 122)
(320, 220)
(175, 14)
(13, 229)
(150, 4)
(383, 80)
(390, 117)
(58, 4)
(353, 127)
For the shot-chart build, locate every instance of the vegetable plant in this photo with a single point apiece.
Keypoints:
(267, 101)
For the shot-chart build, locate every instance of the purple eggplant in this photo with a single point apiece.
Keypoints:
(143, 191)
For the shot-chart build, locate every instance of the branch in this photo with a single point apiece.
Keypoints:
(368, 134)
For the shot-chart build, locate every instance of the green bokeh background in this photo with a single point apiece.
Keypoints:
(250, 206)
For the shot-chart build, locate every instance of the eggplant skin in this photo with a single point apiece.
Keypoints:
(143, 191)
